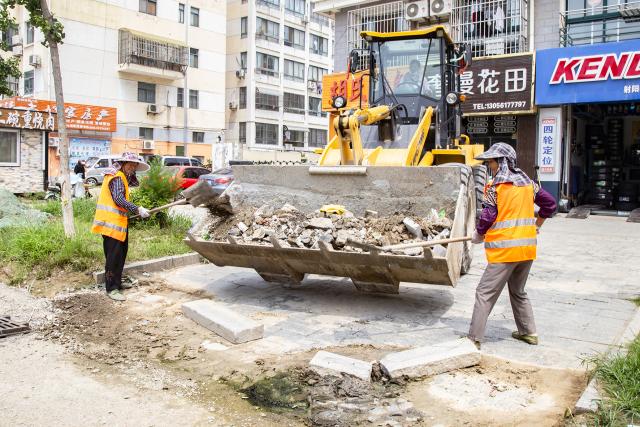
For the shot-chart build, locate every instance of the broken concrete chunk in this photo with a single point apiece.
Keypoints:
(327, 238)
(413, 251)
(370, 214)
(341, 240)
(440, 251)
(289, 208)
(325, 363)
(264, 211)
(234, 232)
(224, 322)
(323, 223)
(259, 233)
(242, 227)
(413, 227)
(348, 214)
(431, 360)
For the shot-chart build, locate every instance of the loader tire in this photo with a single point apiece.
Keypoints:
(480, 180)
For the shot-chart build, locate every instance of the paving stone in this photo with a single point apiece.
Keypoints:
(223, 321)
(325, 363)
(431, 360)
(588, 400)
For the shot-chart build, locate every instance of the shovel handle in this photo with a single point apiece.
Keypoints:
(161, 208)
(368, 247)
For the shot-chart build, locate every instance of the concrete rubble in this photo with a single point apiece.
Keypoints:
(325, 363)
(224, 322)
(295, 229)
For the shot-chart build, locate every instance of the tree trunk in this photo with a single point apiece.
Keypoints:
(67, 206)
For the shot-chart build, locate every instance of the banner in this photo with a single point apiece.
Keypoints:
(83, 148)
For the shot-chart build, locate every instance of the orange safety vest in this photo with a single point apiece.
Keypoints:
(513, 237)
(111, 219)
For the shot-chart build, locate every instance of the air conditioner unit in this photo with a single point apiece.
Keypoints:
(417, 10)
(54, 141)
(288, 146)
(305, 19)
(152, 109)
(148, 145)
(17, 50)
(34, 60)
(233, 105)
(440, 7)
(240, 74)
(311, 85)
(17, 39)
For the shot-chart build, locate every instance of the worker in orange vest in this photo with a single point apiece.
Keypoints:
(111, 218)
(508, 227)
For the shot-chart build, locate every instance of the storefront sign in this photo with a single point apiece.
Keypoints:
(498, 85)
(603, 72)
(354, 88)
(548, 145)
(79, 116)
(83, 148)
(32, 120)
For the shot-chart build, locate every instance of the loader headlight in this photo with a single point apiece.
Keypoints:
(454, 98)
(339, 102)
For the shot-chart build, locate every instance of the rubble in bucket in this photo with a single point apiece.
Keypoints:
(296, 229)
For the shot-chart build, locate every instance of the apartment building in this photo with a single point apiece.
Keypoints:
(132, 56)
(277, 53)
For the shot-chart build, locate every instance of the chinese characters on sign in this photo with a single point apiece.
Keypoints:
(355, 89)
(82, 149)
(28, 120)
(548, 146)
(498, 85)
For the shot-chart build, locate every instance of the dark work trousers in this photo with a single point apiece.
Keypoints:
(115, 253)
(491, 285)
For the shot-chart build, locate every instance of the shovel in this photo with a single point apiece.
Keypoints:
(370, 248)
(198, 194)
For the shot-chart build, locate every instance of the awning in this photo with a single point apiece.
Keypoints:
(268, 91)
(154, 37)
(326, 7)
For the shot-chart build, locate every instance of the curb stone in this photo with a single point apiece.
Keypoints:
(157, 264)
(588, 402)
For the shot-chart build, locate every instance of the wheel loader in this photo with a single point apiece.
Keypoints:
(397, 149)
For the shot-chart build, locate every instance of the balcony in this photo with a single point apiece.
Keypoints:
(602, 24)
(149, 55)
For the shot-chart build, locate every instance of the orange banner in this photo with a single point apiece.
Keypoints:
(352, 88)
(78, 116)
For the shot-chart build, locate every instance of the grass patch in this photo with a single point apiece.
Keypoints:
(636, 301)
(619, 376)
(39, 249)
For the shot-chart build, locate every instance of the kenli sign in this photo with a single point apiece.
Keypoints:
(597, 68)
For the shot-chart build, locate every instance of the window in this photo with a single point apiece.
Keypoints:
(243, 60)
(294, 137)
(147, 92)
(7, 36)
(316, 73)
(148, 6)
(103, 163)
(317, 137)
(181, 13)
(193, 99)
(28, 82)
(293, 38)
(319, 45)
(243, 27)
(268, 30)
(180, 100)
(271, 3)
(242, 97)
(9, 148)
(29, 31)
(195, 17)
(266, 133)
(293, 103)
(293, 70)
(266, 101)
(267, 64)
(242, 132)
(315, 107)
(295, 7)
(193, 58)
(318, 18)
(197, 137)
(146, 133)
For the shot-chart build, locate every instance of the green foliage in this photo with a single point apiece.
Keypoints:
(83, 209)
(158, 187)
(9, 67)
(619, 376)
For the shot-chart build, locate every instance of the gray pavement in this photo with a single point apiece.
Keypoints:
(579, 286)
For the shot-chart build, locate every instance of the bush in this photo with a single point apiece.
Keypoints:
(158, 187)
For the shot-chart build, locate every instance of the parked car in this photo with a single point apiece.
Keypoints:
(219, 179)
(189, 175)
(94, 166)
(178, 161)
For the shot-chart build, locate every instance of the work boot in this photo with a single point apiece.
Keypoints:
(529, 339)
(115, 295)
(126, 285)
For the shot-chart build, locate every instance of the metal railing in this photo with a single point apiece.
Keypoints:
(14, 85)
(294, 110)
(267, 72)
(602, 24)
(317, 113)
(273, 4)
(136, 49)
(493, 27)
(293, 78)
(318, 52)
(267, 37)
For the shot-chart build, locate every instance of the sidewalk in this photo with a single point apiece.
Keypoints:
(579, 288)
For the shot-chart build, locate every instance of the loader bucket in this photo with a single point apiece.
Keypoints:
(385, 189)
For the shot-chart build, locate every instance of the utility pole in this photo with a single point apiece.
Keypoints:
(185, 94)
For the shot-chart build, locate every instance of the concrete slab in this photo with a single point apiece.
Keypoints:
(325, 363)
(431, 360)
(158, 264)
(589, 399)
(223, 321)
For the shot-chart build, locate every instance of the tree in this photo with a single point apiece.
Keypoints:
(40, 17)
(8, 67)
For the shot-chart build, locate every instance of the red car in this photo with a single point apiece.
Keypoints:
(189, 175)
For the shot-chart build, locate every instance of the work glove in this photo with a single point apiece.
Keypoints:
(144, 213)
(538, 229)
(477, 238)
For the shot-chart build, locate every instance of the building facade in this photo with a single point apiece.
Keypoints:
(133, 56)
(277, 53)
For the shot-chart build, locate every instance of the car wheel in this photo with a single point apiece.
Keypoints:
(92, 182)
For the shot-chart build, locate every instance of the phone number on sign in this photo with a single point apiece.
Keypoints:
(500, 105)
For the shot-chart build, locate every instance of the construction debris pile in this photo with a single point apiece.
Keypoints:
(293, 228)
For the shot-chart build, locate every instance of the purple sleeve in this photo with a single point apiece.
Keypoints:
(546, 203)
(487, 218)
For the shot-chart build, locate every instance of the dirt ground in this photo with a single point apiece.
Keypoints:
(147, 345)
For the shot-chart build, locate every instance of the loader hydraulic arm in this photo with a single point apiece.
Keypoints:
(348, 131)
